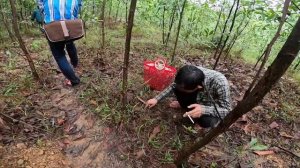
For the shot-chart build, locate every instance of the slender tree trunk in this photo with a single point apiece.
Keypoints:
(228, 35)
(117, 13)
(230, 46)
(178, 31)
(110, 7)
(163, 25)
(93, 7)
(103, 24)
(172, 18)
(6, 25)
(20, 40)
(224, 29)
(280, 65)
(126, 11)
(127, 50)
(298, 63)
(270, 45)
(219, 18)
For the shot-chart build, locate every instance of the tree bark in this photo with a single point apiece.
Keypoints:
(224, 29)
(103, 24)
(228, 35)
(178, 31)
(6, 25)
(270, 45)
(21, 42)
(279, 66)
(127, 50)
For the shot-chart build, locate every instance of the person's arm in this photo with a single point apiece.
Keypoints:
(152, 102)
(165, 92)
(223, 102)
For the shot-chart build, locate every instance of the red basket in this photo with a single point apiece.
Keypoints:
(158, 74)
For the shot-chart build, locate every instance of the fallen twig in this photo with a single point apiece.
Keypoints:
(288, 151)
(141, 100)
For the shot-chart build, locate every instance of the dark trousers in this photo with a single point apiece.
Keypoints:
(58, 52)
(186, 99)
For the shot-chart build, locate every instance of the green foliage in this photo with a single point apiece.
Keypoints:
(254, 145)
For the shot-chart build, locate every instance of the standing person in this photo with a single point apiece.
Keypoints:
(204, 93)
(37, 16)
(56, 10)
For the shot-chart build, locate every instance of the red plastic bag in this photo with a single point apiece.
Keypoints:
(158, 74)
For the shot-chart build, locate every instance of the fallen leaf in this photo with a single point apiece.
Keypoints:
(93, 102)
(155, 131)
(273, 125)
(60, 121)
(261, 153)
(284, 134)
(3, 124)
(66, 141)
(140, 153)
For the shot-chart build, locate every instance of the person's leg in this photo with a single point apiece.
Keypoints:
(59, 54)
(72, 52)
(206, 121)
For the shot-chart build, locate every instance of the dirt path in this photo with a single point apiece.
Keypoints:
(85, 143)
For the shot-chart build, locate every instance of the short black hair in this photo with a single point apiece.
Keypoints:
(189, 77)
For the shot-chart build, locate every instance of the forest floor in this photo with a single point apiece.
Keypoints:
(51, 125)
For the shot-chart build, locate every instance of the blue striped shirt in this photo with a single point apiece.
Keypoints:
(54, 10)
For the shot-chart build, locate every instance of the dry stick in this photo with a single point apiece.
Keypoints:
(288, 151)
(23, 122)
(270, 45)
(178, 30)
(224, 29)
(127, 50)
(228, 35)
(284, 59)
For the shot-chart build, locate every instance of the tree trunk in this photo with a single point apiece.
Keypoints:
(117, 13)
(127, 50)
(231, 44)
(126, 11)
(103, 24)
(20, 40)
(281, 63)
(224, 29)
(178, 31)
(110, 7)
(6, 25)
(219, 18)
(297, 64)
(270, 45)
(172, 18)
(163, 25)
(228, 35)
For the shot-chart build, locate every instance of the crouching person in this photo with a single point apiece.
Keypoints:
(203, 93)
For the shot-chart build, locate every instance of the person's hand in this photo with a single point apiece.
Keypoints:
(151, 102)
(196, 112)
